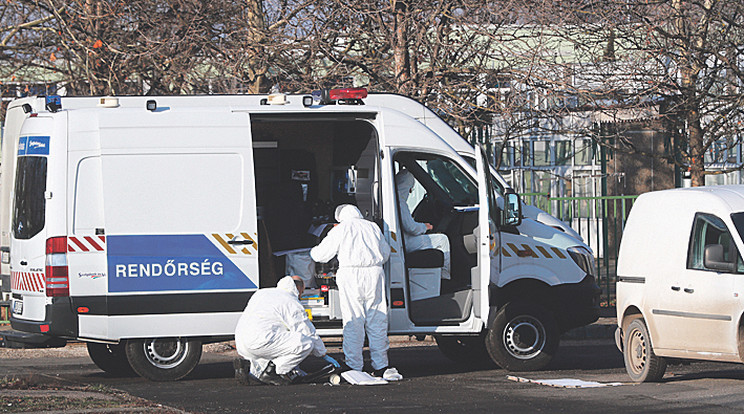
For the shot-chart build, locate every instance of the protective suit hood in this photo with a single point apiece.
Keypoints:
(287, 284)
(347, 212)
(404, 181)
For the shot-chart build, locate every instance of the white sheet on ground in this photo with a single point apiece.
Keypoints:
(565, 382)
(361, 378)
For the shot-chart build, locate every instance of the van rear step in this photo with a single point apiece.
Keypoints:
(27, 340)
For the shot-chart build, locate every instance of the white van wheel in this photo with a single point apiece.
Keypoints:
(640, 361)
(163, 359)
(111, 358)
(522, 337)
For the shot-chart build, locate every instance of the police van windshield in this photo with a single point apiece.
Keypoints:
(30, 185)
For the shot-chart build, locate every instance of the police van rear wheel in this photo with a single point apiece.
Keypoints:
(522, 337)
(111, 358)
(163, 359)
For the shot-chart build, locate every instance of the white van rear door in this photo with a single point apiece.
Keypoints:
(33, 215)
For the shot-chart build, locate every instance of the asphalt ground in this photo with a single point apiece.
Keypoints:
(432, 383)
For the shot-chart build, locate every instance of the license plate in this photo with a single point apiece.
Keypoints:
(18, 307)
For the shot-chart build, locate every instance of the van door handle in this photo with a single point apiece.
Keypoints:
(24, 263)
(689, 290)
(240, 242)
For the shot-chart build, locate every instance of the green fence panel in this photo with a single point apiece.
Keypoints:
(600, 221)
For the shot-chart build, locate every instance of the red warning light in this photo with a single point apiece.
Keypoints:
(347, 93)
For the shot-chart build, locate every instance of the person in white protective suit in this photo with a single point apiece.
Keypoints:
(274, 333)
(361, 250)
(414, 232)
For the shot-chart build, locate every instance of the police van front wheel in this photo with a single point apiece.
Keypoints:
(163, 359)
(522, 337)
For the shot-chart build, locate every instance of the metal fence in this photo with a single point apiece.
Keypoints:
(600, 221)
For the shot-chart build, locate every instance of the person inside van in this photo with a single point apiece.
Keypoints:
(361, 250)
(274, 335)
(415, 232)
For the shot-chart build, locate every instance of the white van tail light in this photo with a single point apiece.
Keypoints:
(57, 281)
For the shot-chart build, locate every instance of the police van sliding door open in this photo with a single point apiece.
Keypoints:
(304, 168)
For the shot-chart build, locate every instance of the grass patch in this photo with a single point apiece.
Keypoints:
(47, 403)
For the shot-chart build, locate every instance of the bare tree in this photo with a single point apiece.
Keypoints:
(612, 61)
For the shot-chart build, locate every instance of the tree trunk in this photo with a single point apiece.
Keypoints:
(697, 152)
(400, 49)
(257, 67)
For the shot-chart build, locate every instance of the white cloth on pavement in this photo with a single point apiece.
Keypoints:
(361, 250)
(414, 232)
(274, 327)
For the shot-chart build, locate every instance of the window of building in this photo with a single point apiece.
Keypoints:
(584, 153)
(541, 149)
(563, 153)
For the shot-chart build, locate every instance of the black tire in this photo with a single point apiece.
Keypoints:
(163, 359)
(468, 350)
(522, 337)
(641, 362)
(110, 358)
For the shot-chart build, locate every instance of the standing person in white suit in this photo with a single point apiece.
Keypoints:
(415, 237)
(361, 250)
(275, 334)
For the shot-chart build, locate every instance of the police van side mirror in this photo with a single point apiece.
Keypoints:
(512, 209)
(713, 259)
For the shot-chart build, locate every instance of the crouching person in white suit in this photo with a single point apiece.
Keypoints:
(275, 334)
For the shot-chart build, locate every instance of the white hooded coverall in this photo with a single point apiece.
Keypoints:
(415, 239)
(361, 250)
(275, 327)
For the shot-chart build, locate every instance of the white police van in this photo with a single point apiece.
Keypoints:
(142, 225)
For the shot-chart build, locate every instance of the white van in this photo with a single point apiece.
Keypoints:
(680, 281)
(142, 225)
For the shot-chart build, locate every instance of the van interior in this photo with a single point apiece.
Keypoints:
(304, 168)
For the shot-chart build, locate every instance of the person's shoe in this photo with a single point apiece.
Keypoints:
(269, 376)
(242, 371)
(295, 376)
(388, 374)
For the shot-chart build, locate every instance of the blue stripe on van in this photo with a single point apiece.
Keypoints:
(156, 263)
(33, 145)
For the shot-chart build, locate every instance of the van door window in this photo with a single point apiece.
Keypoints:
(711, 230)
(30, 185)
(451, 179)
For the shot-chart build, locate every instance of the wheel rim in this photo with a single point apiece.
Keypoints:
(524, 337)
(166, 353)
(637, 351)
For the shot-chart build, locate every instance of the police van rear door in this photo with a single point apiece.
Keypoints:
(38, 214)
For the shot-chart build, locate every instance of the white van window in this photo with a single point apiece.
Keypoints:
(451, 179)
(709, 230)
(29, 208)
